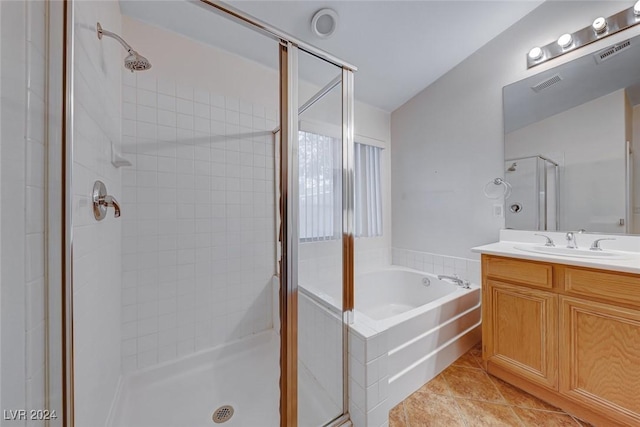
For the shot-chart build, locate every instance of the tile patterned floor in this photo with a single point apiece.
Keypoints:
(464, 395)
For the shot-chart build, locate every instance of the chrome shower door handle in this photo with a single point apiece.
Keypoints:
(102, 201)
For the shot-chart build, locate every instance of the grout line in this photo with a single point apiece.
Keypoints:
(517, 416)
(462, 416)
(406, 416)
(446, 383)
(493, 402)
(578, 422)
(497, 389)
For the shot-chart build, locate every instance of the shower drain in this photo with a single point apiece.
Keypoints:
(222, 414)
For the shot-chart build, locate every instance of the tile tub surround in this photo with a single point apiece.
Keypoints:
(465, 395)
(320, 357)
(465, 268)
(387, 365)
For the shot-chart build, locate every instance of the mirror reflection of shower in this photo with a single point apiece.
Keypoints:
(533, 204)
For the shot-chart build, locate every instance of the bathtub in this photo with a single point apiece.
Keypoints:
(408, 326)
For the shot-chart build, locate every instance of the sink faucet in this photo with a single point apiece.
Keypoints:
(595, 246)
(549, 240)
(455, 279)
(571, 240)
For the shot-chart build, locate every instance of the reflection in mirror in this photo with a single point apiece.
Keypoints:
(534, 188)
(569, 139)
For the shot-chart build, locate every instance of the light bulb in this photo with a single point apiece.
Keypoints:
(636, 8)
(535, 53)
(600, 25)
(565, 40)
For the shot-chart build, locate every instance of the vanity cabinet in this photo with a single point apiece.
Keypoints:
(600, 356)
(569, 335)
(523, 325)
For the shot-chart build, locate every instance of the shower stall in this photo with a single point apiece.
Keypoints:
(166, 258)
(534, 200)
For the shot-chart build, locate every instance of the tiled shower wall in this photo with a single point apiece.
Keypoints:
(198, 239)
(35, 203)
(23, 93)
(96, 244)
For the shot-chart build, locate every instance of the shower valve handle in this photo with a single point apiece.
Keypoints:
(102, 201)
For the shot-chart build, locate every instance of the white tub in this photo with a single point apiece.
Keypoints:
(408, 326)
(385, 294)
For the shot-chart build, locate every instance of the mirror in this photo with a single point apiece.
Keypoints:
(570, 134)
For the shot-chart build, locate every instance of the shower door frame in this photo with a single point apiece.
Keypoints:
(556, 173)
(288, 60)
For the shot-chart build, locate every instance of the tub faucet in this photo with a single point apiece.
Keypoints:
(571, 240)
(455, 279)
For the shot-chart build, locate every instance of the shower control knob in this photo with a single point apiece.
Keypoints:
(102, 201)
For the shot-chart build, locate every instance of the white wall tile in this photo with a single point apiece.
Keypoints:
(177, 206)
(103, 115)
(467, 269)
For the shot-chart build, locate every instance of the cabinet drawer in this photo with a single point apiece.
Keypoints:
(524, 272)
(617, 287)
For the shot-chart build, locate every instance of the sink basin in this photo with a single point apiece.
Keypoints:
(577, 253)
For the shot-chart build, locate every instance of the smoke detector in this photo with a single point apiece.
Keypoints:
(324, 23)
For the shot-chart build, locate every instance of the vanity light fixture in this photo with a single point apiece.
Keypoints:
(600, 25)
(600, 28)
(565, 40)
(535, 53)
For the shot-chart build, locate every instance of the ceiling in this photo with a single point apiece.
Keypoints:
(399, 47)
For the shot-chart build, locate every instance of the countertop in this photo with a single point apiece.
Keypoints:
(507, 249)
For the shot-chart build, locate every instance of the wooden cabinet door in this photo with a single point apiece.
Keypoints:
(600, 357)
(521, 331)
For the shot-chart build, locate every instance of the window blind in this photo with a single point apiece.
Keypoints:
(319, 186)
(320, 177)
(368, 191)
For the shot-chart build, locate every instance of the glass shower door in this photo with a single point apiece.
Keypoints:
(322, 250)
(173, 298)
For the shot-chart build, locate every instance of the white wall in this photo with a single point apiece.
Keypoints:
(635, 141)
(96, 245)
(448, 139)
(589, 144)
(22, 93)
(1, 366)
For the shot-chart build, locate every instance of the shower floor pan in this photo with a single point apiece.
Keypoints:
(244, 375)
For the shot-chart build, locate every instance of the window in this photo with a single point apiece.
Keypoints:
(368, 194)
(320, 182)
(319, 185)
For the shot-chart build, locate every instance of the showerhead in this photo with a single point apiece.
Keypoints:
(134, 61)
